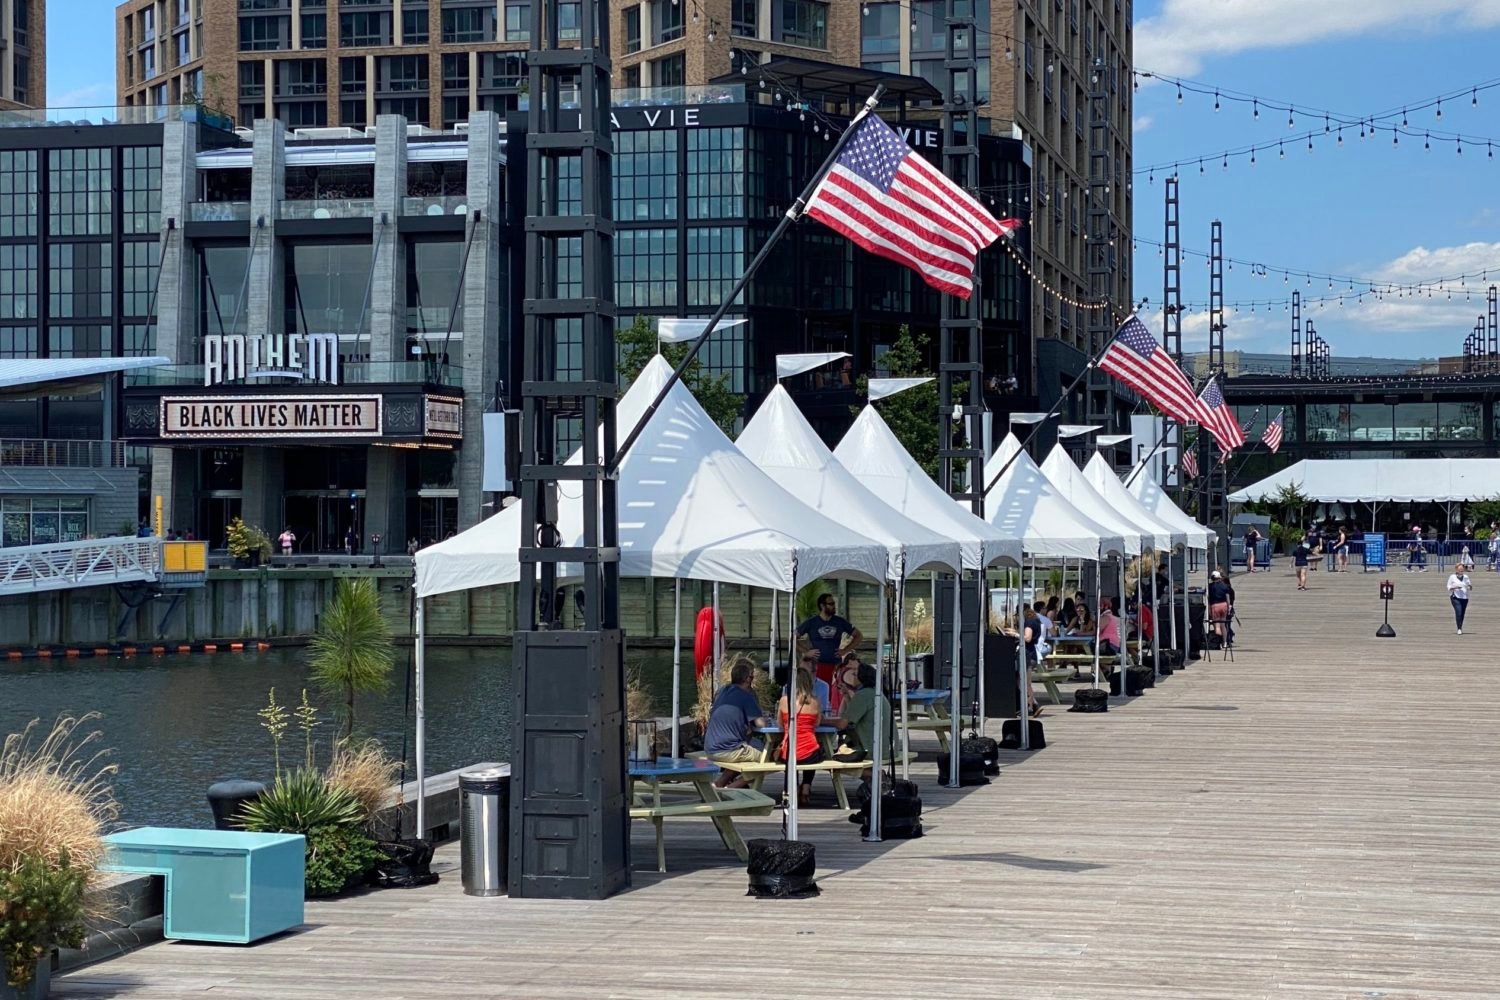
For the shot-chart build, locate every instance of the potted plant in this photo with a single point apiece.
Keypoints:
(55, 801)
(248, 545)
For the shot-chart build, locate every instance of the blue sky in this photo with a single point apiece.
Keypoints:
(1365, 210)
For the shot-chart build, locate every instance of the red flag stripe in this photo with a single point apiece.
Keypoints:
(862, 197)
(857, 223)
(1167, 389)
(882, 248)
(959, 200)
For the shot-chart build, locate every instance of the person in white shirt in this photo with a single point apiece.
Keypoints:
(1044, 641)
(1459, 586)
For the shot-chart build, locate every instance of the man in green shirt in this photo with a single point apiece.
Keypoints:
(859, 712)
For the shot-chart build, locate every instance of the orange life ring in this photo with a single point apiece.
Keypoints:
(703, 640)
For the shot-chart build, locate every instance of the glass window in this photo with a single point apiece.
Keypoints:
(1461, 421)
(1416, 421)
(568, 14)
(78, 342)
(265, 34)
(716, 173)
(352, 75)
(414, 26)
(398, 74)
(413, 109)
(456, 71)
(828, 264)
(880, 30)
(365, 28)
(301, 78)
(507, 70)
(715, 261)
(1370, 422)
(1326, 422)
(138, 263)
(140, 339)
(803, 22)
(222, 276)
(43, 520)
(430, 180)
(668, 22)
(19, 342)
(252, 80)
(744, 18)
(1253, 420)
(646, 267)
(80, 278)
(723, 354)
(81, 200)
(645, 175)
(633, 29)
(468, 24)
(434, 271)
(671, 71)
(455, 110)
(18, 281)
(18, 192)
(353, 113)
(518, 20)
(325, 291)
(314, 31)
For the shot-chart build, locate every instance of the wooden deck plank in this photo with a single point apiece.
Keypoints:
(1318, 819)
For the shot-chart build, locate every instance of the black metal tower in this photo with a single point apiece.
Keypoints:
(1099, 237)
(1214, 503)
(959, 342)
(1492, 349)
(1296, 334)
(1171, 298)
(569, 835)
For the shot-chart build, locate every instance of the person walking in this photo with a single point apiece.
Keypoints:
(1300, 557)
(1459, 587)
(1494, 547)
(1252, 539)
(287, 540)
(1341, 549)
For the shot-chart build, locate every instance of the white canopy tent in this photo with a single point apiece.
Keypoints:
(1378, 480)
(1101, 475)
(1078, 491)
(1155, 499)
(1025, 504)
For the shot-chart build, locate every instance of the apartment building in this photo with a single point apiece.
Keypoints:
(322, 63)
(1046, 59)
(23, 54)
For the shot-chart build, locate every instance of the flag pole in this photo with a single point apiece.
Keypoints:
(1166, 428)
(1194, 491)
(1062, 398)
(791, 215)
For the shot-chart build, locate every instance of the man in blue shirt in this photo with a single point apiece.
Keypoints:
(824, 634)
(734, 714)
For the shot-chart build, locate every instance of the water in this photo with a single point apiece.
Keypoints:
(177, 724)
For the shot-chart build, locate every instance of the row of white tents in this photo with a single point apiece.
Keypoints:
(779, 510)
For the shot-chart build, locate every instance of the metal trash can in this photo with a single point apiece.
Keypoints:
(484, 808)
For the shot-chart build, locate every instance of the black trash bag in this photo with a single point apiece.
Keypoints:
(782, 869)
(986, 748)
(1090, 700)
(970, 769)
(900, 809)
(1165, 667)
(403, 864)
(1010, 734)
(1137, 680)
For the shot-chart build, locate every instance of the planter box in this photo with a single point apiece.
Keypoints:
(41, 984)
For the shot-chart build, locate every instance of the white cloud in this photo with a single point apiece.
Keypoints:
(1422, 264)
(90, 95)
(1142, 123)
(1179, 39)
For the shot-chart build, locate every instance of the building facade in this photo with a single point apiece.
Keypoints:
(23, 54)
(325, 63)
(1049, 66)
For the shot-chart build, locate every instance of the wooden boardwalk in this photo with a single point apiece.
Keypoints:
(1318, 819)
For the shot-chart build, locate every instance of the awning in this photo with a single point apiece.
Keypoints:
(1377, 480)
(21, 376)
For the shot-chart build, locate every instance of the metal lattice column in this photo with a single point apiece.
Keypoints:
(959, 343)
(1099, 236)
(1171, 296)
(1296, 333)
(1215, 505)
(1492, 350)
(569, 826)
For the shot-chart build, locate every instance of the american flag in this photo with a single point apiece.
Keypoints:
(1272, 436)
(1135, 358)
(1221, 422)
(1189, 463)
(893, 203)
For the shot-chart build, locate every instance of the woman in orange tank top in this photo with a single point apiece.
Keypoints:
(809, 716)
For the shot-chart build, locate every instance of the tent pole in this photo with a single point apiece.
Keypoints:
(1098, 572)
(954, 705)
(1124, 633)
(790, 738)
(771, 654)
(718, 643)
(1156, 623)
(421, 726)
(901, 674)
(876, 751)
(677, 667)
(1023, 713)
(984, 634)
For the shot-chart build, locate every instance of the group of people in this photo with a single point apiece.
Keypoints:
(832, 687)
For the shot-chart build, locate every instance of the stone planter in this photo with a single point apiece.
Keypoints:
(40, 985)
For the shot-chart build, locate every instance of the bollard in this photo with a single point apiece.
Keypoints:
(1387, 593)
(227, 798)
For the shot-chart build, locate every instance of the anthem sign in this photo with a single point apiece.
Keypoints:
(303, 417)
(235, 357)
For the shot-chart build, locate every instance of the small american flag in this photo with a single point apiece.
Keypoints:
(895, 204)
(1135, 358)
(1189, 463)
(1221, 423)
(1272, 436)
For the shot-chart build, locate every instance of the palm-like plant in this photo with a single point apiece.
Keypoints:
(299, 801)
(352, 651)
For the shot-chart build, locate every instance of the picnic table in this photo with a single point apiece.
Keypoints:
(719, 804)
(927, 710)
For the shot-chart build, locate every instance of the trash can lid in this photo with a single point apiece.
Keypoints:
(488, 779)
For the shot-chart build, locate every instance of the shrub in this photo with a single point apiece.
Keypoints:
(338, 858)
(245, 539)
(365, 771)
(298, 801)
(352, 651)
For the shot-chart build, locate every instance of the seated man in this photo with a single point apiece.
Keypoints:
(821, 688)
(734, 714)
(859, 714)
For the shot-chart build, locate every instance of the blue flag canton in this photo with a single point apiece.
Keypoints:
(1134, 335)
(1213, 396)
(874, 153)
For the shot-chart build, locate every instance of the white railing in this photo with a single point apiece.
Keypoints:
(94, 562)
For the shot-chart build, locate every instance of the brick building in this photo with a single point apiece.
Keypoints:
(325, 63)
(23, 54)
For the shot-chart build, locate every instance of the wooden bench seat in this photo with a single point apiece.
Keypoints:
(756, 771)
(655, 806)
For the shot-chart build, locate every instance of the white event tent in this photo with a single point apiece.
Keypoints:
(1078, 491)
(1025, 504)
(1378, 480)
(1155, 499)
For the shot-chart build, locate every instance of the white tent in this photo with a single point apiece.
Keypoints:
(1377, 480)
(782, 443)
(1101, 475)
(1025, 504)
(692, 506)
(1078, 491)
(1155, 499)
(870, 451)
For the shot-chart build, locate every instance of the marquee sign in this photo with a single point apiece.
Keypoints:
(444, 417)
(271, 416)
(235, 357)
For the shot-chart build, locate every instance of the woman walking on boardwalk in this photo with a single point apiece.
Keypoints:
(1459, 587)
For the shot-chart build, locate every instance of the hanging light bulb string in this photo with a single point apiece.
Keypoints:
(1008, 245)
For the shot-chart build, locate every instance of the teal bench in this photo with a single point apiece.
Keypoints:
(221, 885)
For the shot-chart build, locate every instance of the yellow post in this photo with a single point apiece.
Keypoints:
(160, 530)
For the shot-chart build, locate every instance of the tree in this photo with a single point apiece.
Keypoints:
(912, 415)
(637, 346)
(352, 651)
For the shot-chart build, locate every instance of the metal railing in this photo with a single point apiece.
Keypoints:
(91, 563)
(442, 204)
(113, 115)
(328, 208)
(219, 211)
(61, 453)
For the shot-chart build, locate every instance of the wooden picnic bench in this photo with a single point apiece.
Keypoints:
(755, 772)
(728, 803)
